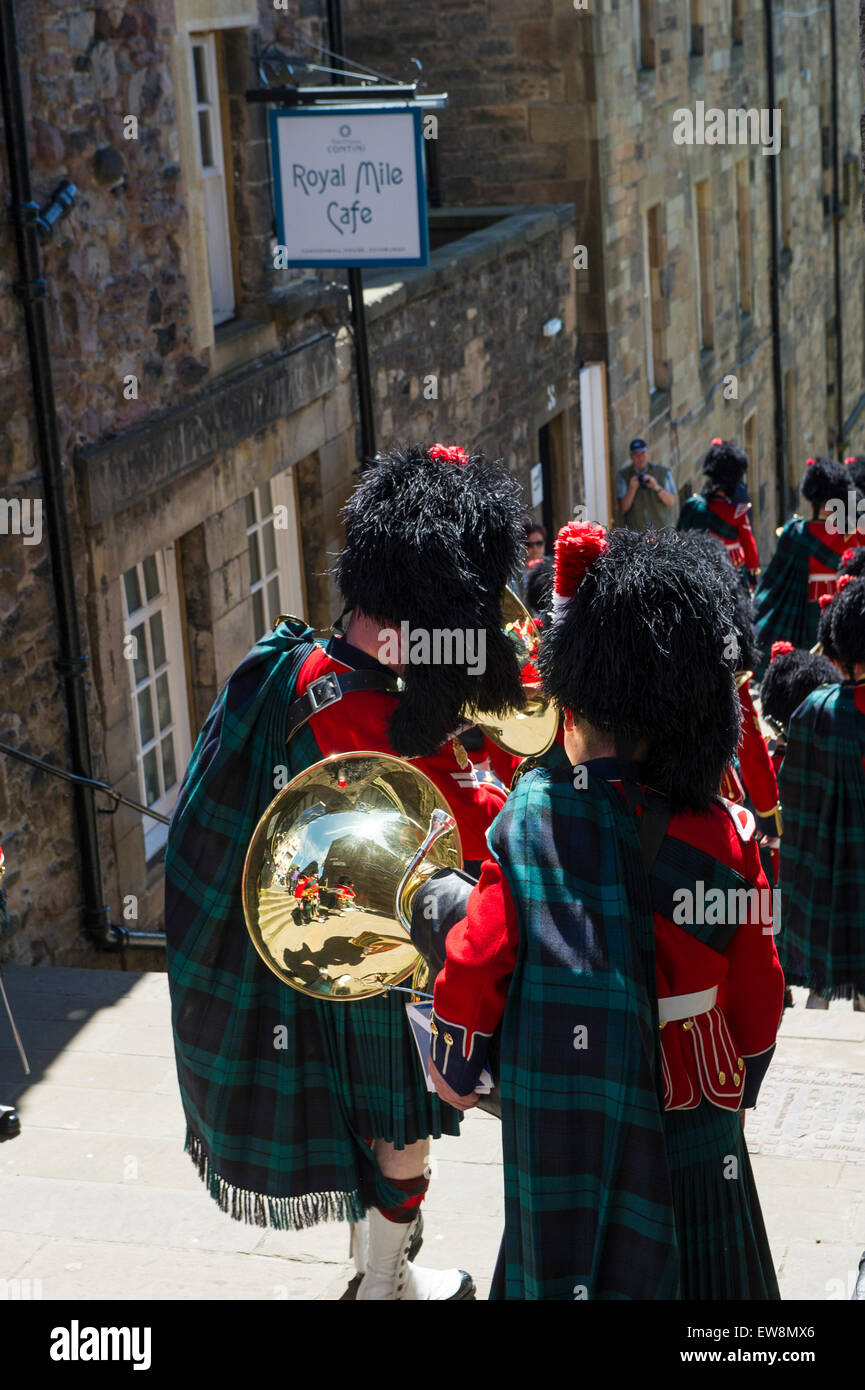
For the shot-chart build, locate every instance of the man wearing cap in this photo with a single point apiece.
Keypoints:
(646, 491)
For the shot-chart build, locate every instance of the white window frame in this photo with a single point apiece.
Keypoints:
(166, 602)
(289, 569)
(213, 180)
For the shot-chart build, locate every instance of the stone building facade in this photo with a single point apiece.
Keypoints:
(557, 102)
(207, 414)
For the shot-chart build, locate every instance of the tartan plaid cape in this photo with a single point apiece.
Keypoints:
(697, 515)
(822, 784)
(280, 1091)
(588, 1204)
(781, 608)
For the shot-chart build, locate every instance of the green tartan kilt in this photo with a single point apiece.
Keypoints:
(722, 1241)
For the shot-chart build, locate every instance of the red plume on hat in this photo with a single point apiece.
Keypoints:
(810, 462)
(578, 545)
(851, 459)
(840, 585)
(717, 441)
(449, 453)
(780, 649)
(847, 555)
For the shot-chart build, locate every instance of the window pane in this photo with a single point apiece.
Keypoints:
(273, 598)
(258, 614)
(151, 777)
(254, 565)
(266, 500)
(151, 577)
(157, 641)
(163, 701)
(139, 661)
(269, 548)
(250, 509)
(133, 591)
(169, 772)
(206, 143)
(145, 715)
(200, 73)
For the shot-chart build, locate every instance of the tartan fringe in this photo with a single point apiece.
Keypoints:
(816, 983)
(280, 1213)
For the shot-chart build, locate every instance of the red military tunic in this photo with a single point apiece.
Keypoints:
(743, 550)
(820, 580)
(719, 1053)
(757, 772)
(358, 722)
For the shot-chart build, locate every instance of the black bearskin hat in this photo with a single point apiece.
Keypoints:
(856, 469)
(853, 561)
(845, 618)
(725, 466)
(824, 632)
(826, 481)
(825, 636)
(746, 635)
(790, 676)
(432, 538)
(643, 650)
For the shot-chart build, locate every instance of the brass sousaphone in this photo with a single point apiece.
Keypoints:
(370, 829)
(526, 732)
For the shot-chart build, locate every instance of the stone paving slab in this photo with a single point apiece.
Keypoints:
(809, 1112)
(87, 1270)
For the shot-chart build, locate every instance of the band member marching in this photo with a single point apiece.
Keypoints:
(806, 560)
(822, 783)
(635, 1024)
(724, 509)
(790, 676)
(312, 1131)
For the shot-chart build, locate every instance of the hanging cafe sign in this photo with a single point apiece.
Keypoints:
(349, 185)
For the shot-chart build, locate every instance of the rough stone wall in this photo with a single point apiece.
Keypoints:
(546, 103)
(122, 299)
(119, 302)
(474, 337)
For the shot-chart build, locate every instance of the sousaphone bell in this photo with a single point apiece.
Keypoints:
(333, 867)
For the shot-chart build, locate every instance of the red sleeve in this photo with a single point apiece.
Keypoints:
(756, 767)
(471, 990)
(752, 994)
(749, 544)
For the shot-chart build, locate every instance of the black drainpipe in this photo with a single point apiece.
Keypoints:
(774, 290)
(836, 238)
(72, 662)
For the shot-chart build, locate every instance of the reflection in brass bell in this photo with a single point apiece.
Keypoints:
(332, 869)
(529, 731)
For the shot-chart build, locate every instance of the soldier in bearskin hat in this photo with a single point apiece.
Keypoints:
(790, 676)
(806, 561)
(432, 536)
(822, 783)
(635, 1023)
(723, 508)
